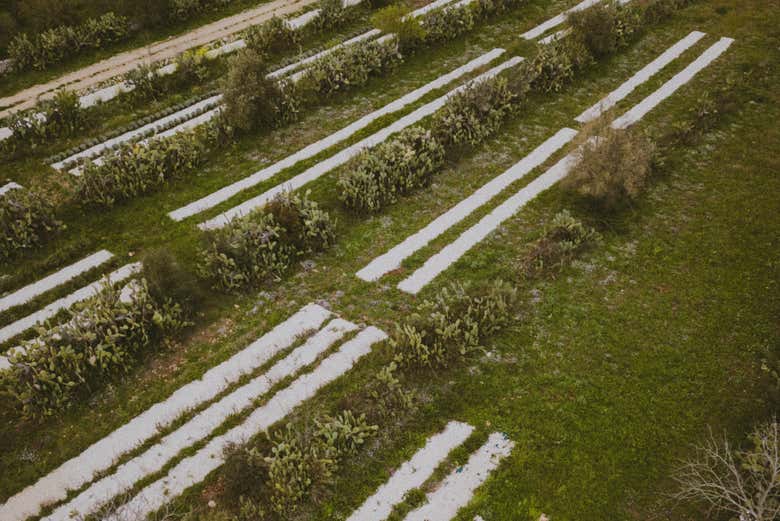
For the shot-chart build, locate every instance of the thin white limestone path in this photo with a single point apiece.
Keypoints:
(9, 186)
(100, 456)
(670, 87)
(101, 148)
(474, 235)
(557, 20)
(457, 489)
(194, 469)
(348, 153)
(200, 427)
(554, 37)
(29, 292)
(647, 72)
(223, 194)
(413, 473)
(88, 291)
(391, 260)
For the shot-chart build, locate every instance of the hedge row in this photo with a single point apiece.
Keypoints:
(26, 220)
(101, 339)
(262, 245)
(64, 42)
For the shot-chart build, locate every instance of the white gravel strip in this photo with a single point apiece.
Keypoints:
(391, 260)
(9, 186)
(647, 72)
(474, 235)
(556, 20)
(88, 291)
(348, 153)
(413, 473)
(554, 37)
(100, 456)
(304, 19)
(670, 87)
(200, 427)
(29, 292)
(222, 195)
(194, 469)
(129, 136)
(457, 489)
(5, 133)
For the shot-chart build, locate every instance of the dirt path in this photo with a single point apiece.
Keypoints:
(122, 63)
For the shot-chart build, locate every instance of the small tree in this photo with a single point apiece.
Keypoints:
(744, 482)
(394, 20)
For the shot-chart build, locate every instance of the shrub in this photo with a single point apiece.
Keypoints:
(146, 83)
(300, 461)
(452, 325)
(168, 280)
(98, 341)
(56, 45)
(251, 100)
(447, 23)
(273, 36)
(135, 169)
(613, 168)
(378, 176)
(332, 14)
(562, 241)
(474, 113)
(394, 20)
(554, 65)
(263, 245)
(350, 66)
(26, 219)
(596, 27)
(191, 68)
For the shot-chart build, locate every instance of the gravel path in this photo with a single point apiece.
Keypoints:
(122, 63)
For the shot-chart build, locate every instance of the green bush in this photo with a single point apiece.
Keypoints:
(393, 20)
(613, 168)
(378, 176)
(263, 244)
(474, 113)
(168, 280)
(273, 36)
(349, 67)
(447, 23)
(26, 220)
(554, 65)
(596, 27)
(100, 340)
(58, 44)
(300, 461)
(251, 101)
(452, 325)
(564, 239)
(146, 83)
(135, 168)
(332, 14)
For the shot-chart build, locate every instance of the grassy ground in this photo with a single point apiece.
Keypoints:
(611, 371)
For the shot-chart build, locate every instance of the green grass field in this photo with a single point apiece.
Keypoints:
(611, 370)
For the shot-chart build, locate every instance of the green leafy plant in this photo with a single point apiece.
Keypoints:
(563, 239)
(273, 36)
(263, 244)
(394, 19)
(26, 220)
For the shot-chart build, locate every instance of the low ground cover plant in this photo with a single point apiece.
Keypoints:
(563, 239)
(99, 340)
(262, 245)
(26, 221)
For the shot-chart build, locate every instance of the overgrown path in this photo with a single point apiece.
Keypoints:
(124, 62)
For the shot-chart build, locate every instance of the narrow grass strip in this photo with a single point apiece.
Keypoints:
(647, 72)
(391, 260)
(88, 291)
(457, 489)
(557, 20)
(413, 473)
(29, 292)
(322, 168)
(200, 427)
(223, 194)
(100, 456)
(194, 469)
(474, 235)
(670, 87)
(9, 186)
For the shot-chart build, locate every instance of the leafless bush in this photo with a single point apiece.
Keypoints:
(744, 482)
